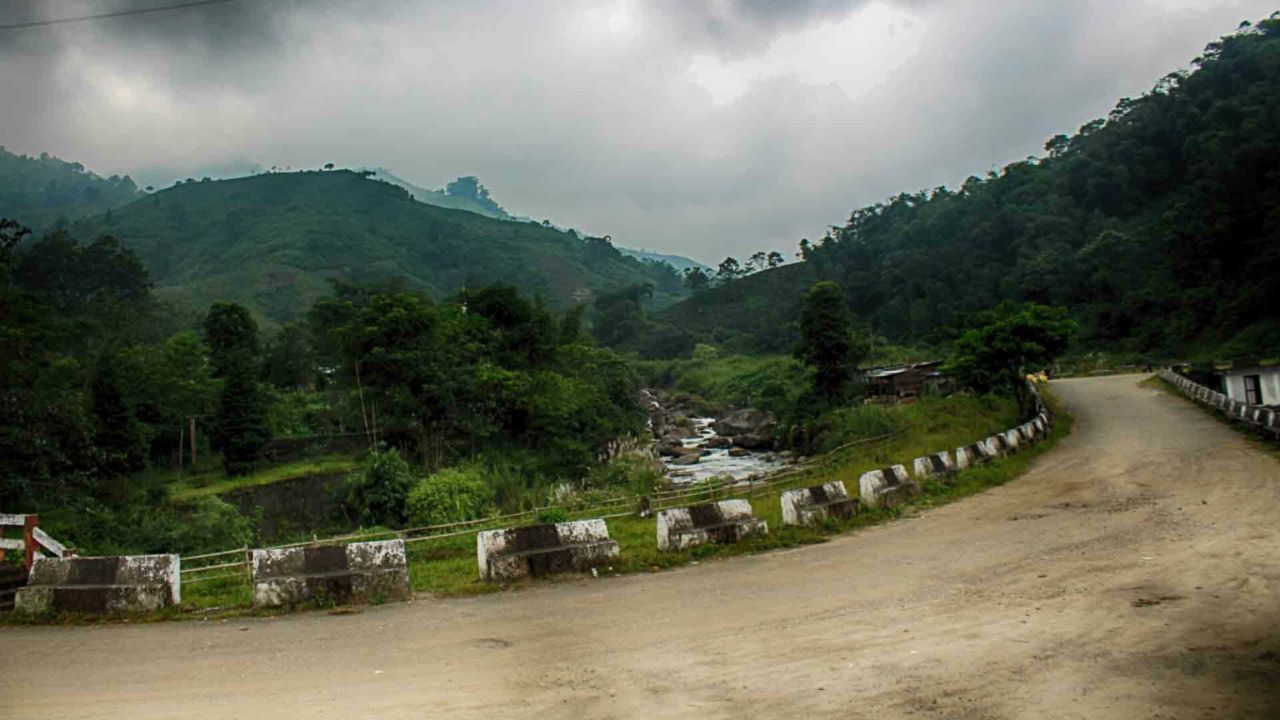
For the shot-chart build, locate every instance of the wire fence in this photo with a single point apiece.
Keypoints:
(208, 567)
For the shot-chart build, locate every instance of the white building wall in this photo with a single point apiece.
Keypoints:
(1269, 382)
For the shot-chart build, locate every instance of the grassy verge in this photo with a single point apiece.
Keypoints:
(446, 567)
(216, 484)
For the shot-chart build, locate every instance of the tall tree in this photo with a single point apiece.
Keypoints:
(121, 447)
(1012, 341)
(240, 429)
(229, 330)
(827, 341)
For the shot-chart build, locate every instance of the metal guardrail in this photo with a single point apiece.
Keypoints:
(196, 568)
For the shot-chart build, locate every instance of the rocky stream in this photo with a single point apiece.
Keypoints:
(695, 447)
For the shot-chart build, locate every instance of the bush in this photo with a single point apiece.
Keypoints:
(205, 524)
(376, 493)
(856, 423)
(552, 515)
(451, 495)
(635, 473)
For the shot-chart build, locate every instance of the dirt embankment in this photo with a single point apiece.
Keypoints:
(1132, 573)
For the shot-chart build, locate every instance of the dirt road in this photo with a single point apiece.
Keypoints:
(1133, 573)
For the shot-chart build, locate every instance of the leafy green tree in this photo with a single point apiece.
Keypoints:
(571, 325)
(827, 343)
(11, 233)
(117, 436)
(1012, 341)
(696, 279)
(376, 493)
(620, 315)
(241, 428)
(232, 336)
(729, 270)
(289, 359)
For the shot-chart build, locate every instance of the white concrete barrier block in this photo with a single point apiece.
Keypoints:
(1012, 439)
(129, 583)
(887, 487)
(546, 549)
(806, 506)
(360, 572)
(723, 522)
(972, 455)
(938, 464)
(997, 445)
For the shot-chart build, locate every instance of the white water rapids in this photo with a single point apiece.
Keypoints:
(718, 462)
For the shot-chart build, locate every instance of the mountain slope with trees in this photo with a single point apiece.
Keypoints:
(39, 192)
(273, 242)
(1158, 227)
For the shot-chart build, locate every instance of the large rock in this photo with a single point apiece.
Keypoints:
(754, 441)
(748, 421)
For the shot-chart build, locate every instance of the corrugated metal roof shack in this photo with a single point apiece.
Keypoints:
(905, 383)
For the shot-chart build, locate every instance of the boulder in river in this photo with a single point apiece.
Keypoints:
(748, 421)
(690, 459)
(754, 441)
(670, 449)
(719, 441)
(739, 452)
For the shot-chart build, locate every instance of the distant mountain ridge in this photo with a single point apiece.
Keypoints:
(442, 198)
(42, 191)
(1157, 226)
(272, 242)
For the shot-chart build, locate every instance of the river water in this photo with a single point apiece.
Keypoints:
(718, 462)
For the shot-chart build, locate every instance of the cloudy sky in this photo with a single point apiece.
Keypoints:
(703, 128)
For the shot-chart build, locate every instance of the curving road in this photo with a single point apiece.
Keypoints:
(1132, 573)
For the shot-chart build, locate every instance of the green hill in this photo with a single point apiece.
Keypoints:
(41, 191)
(1159, 227)
(473, 197)
(273, 241)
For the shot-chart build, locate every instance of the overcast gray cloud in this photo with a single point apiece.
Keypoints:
(703, 128)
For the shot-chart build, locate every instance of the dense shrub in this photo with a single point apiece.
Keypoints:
(376, 492)
(205, 524)
(451, 495)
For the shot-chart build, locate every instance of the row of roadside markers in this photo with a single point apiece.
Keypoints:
(375, 572)
(1261, 417)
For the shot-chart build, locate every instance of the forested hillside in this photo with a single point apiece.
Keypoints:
(272, 243)
(1158, 226)
(40, 191)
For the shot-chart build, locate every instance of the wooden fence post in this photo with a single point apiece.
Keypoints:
(28, 525)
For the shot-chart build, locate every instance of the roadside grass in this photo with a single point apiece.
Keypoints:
(217, 483)
(446, 567)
